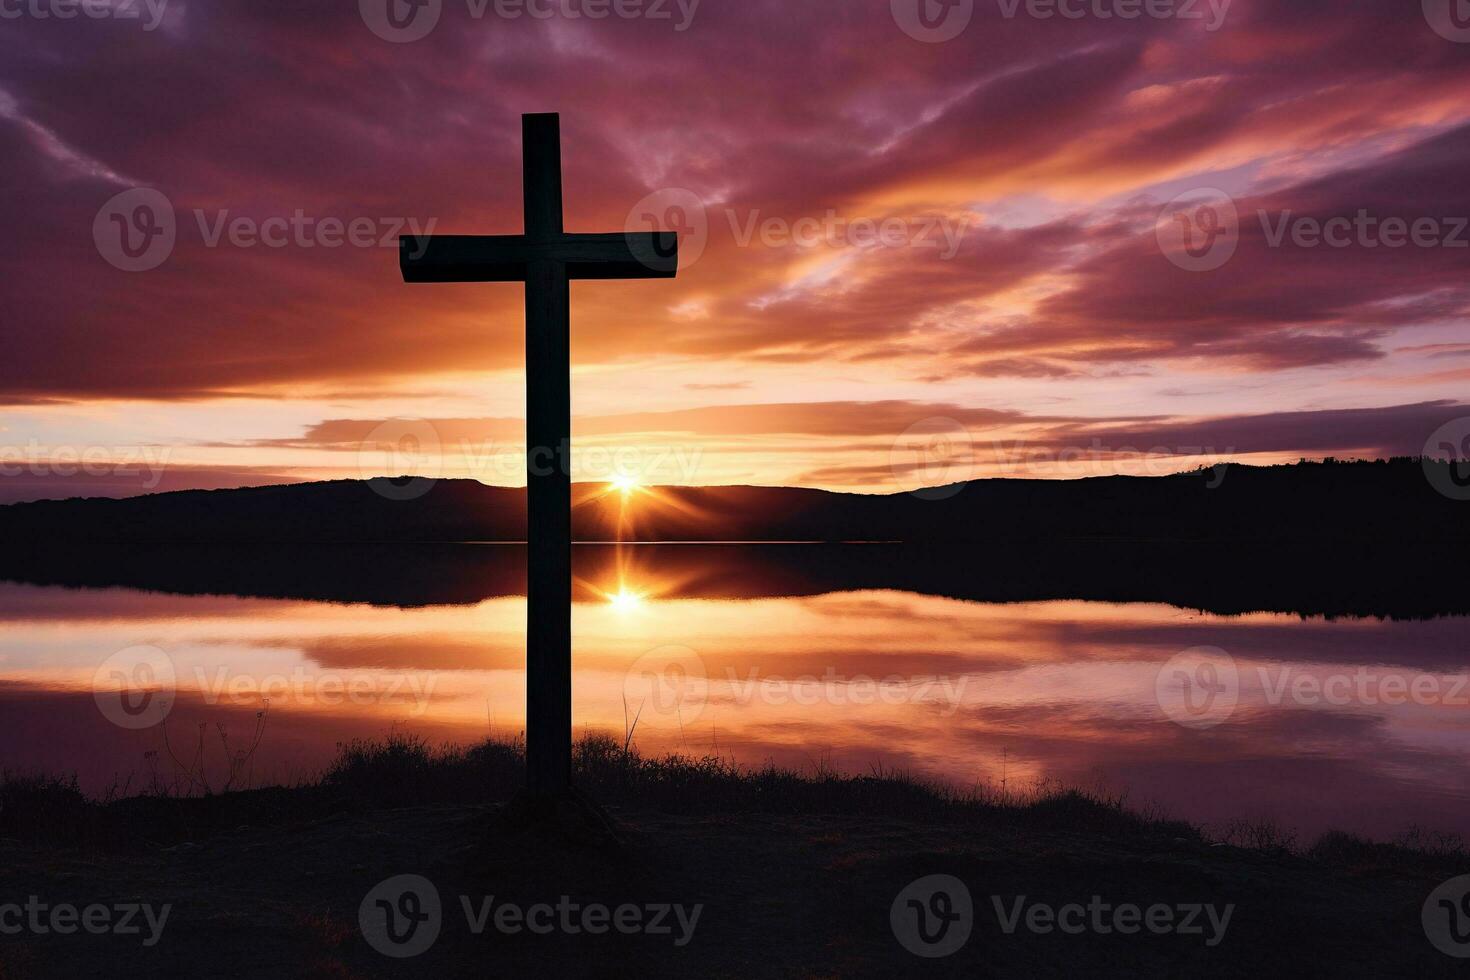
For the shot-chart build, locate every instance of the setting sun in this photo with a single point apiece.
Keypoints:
(624, 483)
(625, 600)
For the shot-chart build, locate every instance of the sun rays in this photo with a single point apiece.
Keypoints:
(621, 595)
(627, 587)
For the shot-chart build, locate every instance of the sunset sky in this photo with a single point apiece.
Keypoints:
(907, 259)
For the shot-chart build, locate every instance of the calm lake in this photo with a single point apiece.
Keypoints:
(1360, 724)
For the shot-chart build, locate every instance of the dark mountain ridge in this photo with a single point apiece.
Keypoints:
(1364, 539)
(1309, 503)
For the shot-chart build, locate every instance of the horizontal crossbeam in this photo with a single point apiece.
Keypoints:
(505, 258)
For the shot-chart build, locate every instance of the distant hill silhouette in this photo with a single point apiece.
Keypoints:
(1307, 503)
(1330, 539)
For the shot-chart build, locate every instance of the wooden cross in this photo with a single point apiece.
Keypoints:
(546, 259)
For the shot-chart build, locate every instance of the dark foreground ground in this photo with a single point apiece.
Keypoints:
(788, 877)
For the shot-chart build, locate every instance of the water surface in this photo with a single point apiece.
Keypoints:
(1350, 723)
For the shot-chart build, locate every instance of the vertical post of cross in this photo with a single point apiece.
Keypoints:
(546, 259)
(548, 470)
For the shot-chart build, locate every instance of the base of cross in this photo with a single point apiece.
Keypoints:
(569, 815)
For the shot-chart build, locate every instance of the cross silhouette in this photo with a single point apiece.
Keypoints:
(546, 259)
